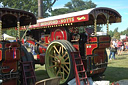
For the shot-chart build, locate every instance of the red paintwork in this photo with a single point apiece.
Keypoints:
(14, 44)
(11, 82)
(92, 39)
(0, 55)
(42, 58)
(104, 45)
(90, 48)
(10, 61)
(31, 42)
(47, 39)
(104, 39)
(100, 58)
(76, 46)
(60, 21)
(42, 49)
(58, 34)
(12, 65)
(38, 56)
(9, 55)
(0, 45)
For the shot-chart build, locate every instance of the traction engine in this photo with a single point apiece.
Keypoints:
(55, 38)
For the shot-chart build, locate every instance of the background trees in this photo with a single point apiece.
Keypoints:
(29, 5)
(73, 6)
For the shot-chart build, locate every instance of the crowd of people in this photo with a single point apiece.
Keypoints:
(117, 47)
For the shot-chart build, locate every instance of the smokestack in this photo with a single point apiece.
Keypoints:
(40, 9)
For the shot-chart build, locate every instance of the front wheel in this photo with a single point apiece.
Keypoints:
(58, 60)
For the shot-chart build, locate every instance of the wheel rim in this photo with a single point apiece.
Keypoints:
(58, 61)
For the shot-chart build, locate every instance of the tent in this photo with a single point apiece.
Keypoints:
(7, 37)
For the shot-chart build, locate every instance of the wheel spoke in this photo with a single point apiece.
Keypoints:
(64, 69)
(54, 53)
(56, 49)
(67, 67)
(52, 66)
(63, 75)
(52, 56)
(53, 61)
(64, 55)
(58, 59)
(62, 50)
(59, 49)
(58, 72)
(65, 63)
(66, 58)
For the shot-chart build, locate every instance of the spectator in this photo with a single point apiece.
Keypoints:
(122, 45)
(115, 44)
(119, 47)
(126, 46)
(112, 51)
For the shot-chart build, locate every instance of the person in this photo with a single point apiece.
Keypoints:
(119, 47)
(82, 41)
(126, 46)
(112, 51)
(122, 46)
(115, 44)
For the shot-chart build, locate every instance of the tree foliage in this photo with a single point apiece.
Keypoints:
(124, 32)
(117, 35)
(111, 33)
(12, 32)
(59, 11)
(73, 6)
(29, 5)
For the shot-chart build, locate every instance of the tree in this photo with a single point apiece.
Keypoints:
(124, 32)
(12, 32)
(117, 35)
(59, 11)
(116, 30)
(111, 33)
(29, 5)
(73, 6)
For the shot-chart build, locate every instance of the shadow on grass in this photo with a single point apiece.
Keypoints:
(120, 58)
(125, 54)
(41, 74)
(116, 73)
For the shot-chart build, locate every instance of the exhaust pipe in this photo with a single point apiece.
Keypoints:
(40, 9)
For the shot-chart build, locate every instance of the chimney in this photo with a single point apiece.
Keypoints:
(40, 9)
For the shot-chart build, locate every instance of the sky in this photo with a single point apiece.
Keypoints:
(120, 6)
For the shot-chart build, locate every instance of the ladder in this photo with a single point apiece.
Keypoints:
(28, 72)
(79, 70)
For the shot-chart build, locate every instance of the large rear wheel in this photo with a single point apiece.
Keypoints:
(26, 56)
(58, 60)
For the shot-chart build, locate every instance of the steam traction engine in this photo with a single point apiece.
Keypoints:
(56, 37)
(12, 53)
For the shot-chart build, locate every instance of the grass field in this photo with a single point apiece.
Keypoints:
(116, 70)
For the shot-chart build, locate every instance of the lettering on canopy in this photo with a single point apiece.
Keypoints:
(61, 21)
(65, 20)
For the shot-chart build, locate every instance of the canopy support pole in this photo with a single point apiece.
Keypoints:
(0, 28)
(107, 27)
(18, 29)
(95, 26)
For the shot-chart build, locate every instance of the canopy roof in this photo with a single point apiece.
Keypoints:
(101, 14)
(9, 17)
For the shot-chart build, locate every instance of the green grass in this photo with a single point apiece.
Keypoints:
(116, 70)
(40, 72)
